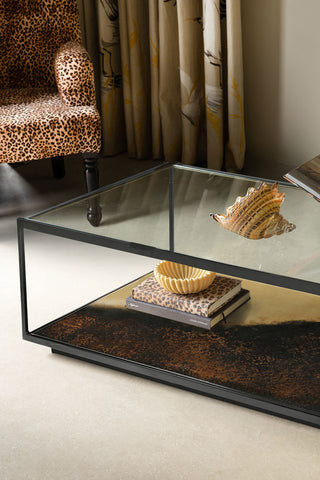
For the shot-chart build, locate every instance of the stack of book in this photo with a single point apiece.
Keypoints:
(204, 309)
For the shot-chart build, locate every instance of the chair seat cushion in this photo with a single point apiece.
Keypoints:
(35, 123)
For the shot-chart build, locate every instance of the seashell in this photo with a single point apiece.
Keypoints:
(257, 214)
(178, 278)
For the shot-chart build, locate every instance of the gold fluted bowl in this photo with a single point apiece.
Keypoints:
(182, 279)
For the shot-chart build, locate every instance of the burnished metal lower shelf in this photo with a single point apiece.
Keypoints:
(239, 364)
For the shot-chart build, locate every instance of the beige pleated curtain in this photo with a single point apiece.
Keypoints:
(172, 80)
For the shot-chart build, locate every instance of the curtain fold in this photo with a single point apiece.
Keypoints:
(236, 145)
(172, 80)
(134, 32)
(213, 82)
(191, 71)
(157, 150)
(111, 78)
(169, 82)
(90, 38)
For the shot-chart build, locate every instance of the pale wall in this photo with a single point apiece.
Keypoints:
(281, 53)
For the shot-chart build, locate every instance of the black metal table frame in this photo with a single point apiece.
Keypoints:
(217, 391)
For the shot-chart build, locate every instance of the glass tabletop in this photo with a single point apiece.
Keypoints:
(169, 207)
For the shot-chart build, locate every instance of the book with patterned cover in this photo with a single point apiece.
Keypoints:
(189, 318)
(204, 303)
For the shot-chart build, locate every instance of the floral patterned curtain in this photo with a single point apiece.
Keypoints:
(172, 80)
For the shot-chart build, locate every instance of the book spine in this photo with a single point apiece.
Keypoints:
(177, 316)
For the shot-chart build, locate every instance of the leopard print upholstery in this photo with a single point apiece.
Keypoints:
(31, 32)
(74, 75)
(35, 123)
(47, 95)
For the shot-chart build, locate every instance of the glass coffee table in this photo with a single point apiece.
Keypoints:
(265, 355)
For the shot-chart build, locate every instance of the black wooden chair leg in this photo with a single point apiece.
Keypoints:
(91, 173)
(94, 212)
(58, 167)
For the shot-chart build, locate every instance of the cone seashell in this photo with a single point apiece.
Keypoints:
(257, 214)
(182, 279)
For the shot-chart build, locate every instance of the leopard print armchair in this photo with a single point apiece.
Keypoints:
(47, 93)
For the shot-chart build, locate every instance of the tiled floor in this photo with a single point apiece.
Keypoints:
(65, 419)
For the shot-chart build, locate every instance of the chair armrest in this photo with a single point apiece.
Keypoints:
(74, 75)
